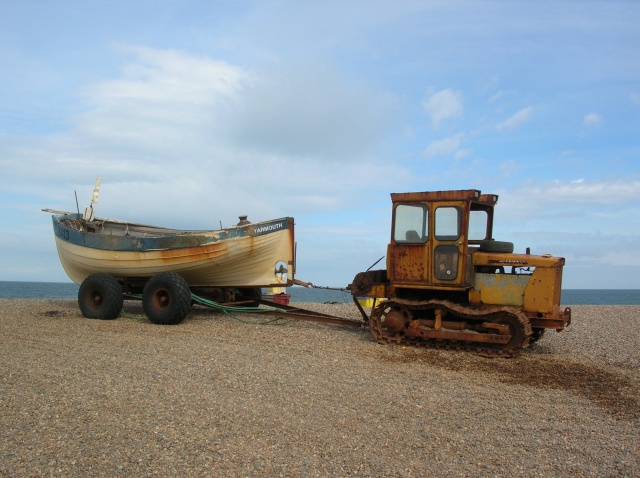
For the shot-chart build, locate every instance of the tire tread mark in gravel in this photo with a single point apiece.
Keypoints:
(611, 391)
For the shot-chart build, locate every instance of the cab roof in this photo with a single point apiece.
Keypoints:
(470, 195)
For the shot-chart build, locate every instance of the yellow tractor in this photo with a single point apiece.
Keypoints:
(449, 284)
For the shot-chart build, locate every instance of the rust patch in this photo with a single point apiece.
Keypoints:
(252, 245)
(408, 262)
(610, 390)
(177, 256)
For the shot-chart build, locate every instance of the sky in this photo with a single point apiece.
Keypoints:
(196, 112)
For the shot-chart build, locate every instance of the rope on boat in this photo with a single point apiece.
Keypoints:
(313, 286)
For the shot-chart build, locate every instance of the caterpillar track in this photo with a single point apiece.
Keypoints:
(441, 324)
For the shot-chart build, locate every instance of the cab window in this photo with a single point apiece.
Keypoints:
(478, 225)
(447, 223)
(411, 224)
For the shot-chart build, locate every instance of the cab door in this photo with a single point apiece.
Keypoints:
(449, 245)
(408, 253)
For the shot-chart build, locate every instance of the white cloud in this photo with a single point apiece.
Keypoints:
(445, 147)
(444, 105)
(516, 120)
(500, 94)
(198, 140)
(579, 204)
(463, 153)
(602, 192)
(592, 119)
(508, 169)
(308, 110)
(163, 97)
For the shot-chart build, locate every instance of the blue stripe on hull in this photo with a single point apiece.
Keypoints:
(179, 240)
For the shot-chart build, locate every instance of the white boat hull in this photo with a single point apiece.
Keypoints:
(247, 260)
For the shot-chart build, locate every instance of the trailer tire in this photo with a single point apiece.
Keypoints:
(100, 297)
(496, 246)
(166, 298)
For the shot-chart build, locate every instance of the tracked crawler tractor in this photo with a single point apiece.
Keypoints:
(448, 284)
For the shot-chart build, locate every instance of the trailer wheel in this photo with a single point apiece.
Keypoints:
(166, 298)
(100, 297)
(496, 246)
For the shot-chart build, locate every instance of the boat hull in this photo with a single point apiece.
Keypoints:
(246, 256)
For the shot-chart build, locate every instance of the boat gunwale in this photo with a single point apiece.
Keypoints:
(158, 238)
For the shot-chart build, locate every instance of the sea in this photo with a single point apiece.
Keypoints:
(69, 290)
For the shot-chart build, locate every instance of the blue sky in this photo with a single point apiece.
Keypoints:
(195, 112)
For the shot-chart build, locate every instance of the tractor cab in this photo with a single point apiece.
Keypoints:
(431, 233)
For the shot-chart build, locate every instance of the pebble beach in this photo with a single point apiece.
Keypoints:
(243, 395)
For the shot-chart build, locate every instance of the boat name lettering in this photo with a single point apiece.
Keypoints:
(268, 228)
(62, 232)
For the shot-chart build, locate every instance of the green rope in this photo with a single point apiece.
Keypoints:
(226, 309)
(129, 316)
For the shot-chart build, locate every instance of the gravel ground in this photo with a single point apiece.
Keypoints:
(214, 396)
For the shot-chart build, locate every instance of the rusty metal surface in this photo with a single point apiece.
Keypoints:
(517, 260)
(298, 313)
(409, 262)
(453, 195)
(496, 332)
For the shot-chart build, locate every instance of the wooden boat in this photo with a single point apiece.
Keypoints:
(247, 255)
